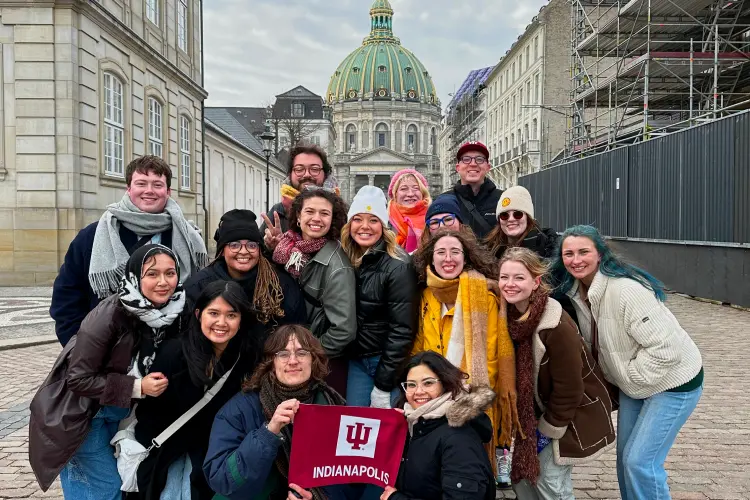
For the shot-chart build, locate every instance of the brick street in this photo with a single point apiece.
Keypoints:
(711, 459)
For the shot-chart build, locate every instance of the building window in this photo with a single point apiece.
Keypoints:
(528, 49)
(520, 101)
(536, 47)
(315, 140)
(152, 11)
(513, 140)
(298, 110)
(351, 138)
(533, 129)
(114, 126)
(528, 92)
(381, 139)
(536, 88)
(381, 135)
(513, 71)
(501, 83)
(155, 132)
(520, 65)
(525, 132)
(182, 25)
(185, 174)
(381, 69)
(513, 108)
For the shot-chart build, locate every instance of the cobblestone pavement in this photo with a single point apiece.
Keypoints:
(711, 459)
(24, 312)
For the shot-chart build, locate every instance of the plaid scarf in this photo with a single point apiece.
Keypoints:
(294, 253)
(525, 458)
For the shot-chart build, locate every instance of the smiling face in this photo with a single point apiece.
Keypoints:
(517, 284)
(149, 192)
(242, 261)
(307, 171)
(580, 257)
(448, 257)
(422, 386)
(159, 279)
(219, 323)
(295, 367)
(315, 218)
(472, 173)
(366, 230)
(514, 227)
(408, 193)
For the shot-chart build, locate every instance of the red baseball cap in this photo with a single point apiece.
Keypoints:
(473, 146)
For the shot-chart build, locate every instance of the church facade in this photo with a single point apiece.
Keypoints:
(385, 111)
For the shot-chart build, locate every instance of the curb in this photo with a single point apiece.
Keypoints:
(19, 343)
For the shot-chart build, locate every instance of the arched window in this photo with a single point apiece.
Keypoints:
(382, 138)
(534, 126)
(114, 125)
(412, 138)
(351, 138)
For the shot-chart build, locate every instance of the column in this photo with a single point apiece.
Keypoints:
(371, 179)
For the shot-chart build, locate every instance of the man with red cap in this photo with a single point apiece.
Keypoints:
(477, 196)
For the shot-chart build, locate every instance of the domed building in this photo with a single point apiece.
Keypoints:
(385, 111)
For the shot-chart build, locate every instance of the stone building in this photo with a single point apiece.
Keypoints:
(88, 86)
(235, 170)
(302, 116)
(386, 112)
(528, 95)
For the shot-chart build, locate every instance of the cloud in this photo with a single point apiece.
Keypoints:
(256, 49)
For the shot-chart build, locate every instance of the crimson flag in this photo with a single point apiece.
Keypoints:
(346, 444)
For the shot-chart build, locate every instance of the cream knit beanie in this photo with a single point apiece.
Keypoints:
(515, 198)
(369, 200)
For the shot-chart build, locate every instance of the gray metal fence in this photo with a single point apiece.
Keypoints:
(678, 204)
(692, 185)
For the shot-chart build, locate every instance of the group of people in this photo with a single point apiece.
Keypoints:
(505, 345)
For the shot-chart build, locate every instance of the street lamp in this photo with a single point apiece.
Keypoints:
(268, 137)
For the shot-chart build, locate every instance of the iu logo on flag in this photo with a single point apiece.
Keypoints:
(357, 437)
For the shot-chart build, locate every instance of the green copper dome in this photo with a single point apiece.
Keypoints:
(381, 68)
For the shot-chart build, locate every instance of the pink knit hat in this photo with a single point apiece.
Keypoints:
(407, 171)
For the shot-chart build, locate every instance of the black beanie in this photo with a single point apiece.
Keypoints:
(237, 225)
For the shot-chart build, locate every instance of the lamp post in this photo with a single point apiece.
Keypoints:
(268, 137)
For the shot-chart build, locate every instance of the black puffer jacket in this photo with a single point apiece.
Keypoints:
(485, 202)
(387, 303)
(543, 242)
(445, 458)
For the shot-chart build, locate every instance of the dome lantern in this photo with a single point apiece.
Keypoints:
(381, 23)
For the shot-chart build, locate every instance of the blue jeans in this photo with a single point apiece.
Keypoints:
(92, 472)
(646, 430)
(359, 385)
(361, 381)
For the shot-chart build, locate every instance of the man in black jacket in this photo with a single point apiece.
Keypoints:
(96, 257)
(308, 166)
(477, 196)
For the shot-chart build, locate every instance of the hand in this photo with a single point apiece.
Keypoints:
(399, 410)
(273, 231)
(283, 416)
(303, 493)
(389, 490)
(380, 399)
(154, 384)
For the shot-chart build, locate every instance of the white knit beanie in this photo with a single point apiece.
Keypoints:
(369, 200)
(515, 198)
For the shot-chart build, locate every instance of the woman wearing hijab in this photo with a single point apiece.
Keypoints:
(275, 296)
(251, 439)
(409, 197)
(222, 337)
(99, 374)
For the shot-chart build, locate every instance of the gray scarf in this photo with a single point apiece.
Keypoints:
(109, 255)
(429, 411)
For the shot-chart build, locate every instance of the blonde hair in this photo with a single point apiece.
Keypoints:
(355, 252)
(534, 264)
(422, 188)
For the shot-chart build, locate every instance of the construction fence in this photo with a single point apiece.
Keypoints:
(679, 205)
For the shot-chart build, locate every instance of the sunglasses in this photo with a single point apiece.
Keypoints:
(517, 214)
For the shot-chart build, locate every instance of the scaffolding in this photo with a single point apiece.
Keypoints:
(645, 68)
(465, 112)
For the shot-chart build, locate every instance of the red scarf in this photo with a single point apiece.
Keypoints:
(408, 223)
(294, 253)
(525, 458)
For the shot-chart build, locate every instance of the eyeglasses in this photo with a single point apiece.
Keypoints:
(517, 214)
(313, 169)
(435, 223)
(285, 356)
(411, 386)
(442, 253)
(236, 246)
(479, 159)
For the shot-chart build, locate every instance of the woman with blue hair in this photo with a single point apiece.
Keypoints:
(642, 350)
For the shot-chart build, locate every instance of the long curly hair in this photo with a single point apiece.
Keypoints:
(338, 213)
(475, 255)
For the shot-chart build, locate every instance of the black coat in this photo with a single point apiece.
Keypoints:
(155, 414)
(543, 242)
(72, 296)
(387, 306)
(445, 458)
(485, 202)
(293, 303)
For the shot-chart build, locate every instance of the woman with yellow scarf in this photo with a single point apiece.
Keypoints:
(409, 198)
(463, 318)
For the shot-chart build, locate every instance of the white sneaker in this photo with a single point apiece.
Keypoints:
(502, 456)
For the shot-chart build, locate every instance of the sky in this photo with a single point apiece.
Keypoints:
(257, 49)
